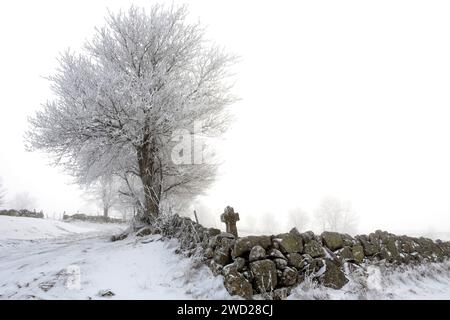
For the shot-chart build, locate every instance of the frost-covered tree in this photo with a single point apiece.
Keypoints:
(23, 200)
(298, 218)
(142, 79)
(106, 191)
(336, 215)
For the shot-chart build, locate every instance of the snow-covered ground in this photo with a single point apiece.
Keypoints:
(60, 260)
(428, 281)
(47, 259)
(21, 228)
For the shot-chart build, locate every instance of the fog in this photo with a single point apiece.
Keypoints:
(344, 99)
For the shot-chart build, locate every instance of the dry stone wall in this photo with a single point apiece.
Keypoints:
(22, 213)
(271, 265)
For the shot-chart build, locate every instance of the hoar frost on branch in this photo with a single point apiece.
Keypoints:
(140, 80)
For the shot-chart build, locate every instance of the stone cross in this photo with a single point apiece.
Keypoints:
(229, 217)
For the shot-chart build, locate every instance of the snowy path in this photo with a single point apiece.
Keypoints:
(131, 269)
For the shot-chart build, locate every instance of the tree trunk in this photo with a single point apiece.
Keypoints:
(146, 170)
(105, 212)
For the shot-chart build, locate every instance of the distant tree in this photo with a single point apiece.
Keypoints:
(336, 215)
(2, 194)
(106, 190)
(298, 218)
(142, 80)
(22, 201)
(268, 223)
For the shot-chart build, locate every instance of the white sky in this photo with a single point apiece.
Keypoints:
(343, 98)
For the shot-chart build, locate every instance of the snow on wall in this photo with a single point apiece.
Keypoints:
(276, 266)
